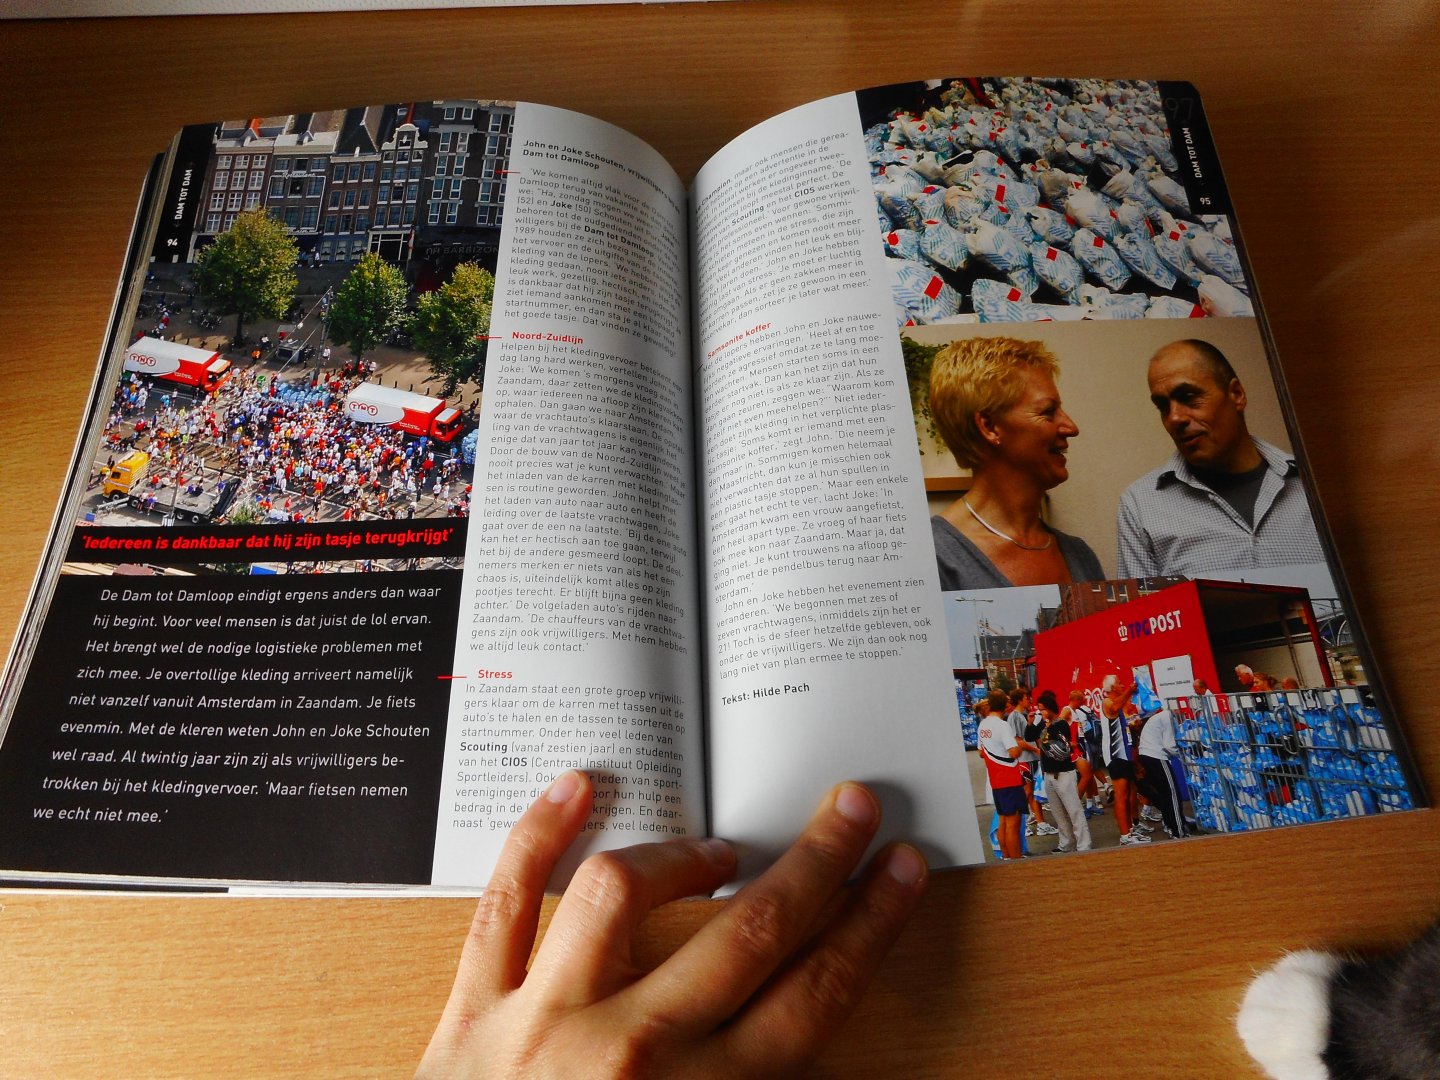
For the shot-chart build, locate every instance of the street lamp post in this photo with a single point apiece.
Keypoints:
(975, 600)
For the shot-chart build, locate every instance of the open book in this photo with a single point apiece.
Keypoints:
(718, 494)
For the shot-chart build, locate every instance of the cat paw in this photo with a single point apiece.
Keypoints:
(1284, 1020)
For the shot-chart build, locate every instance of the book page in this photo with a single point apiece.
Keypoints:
(577, 645)
(827, 653)
(323, 610)
(1122, 536)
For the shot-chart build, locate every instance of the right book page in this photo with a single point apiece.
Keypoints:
(1081, 401)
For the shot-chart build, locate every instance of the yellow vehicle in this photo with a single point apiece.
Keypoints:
(126, 474)
(198, 500)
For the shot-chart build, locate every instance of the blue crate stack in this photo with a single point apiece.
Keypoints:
(1287, 758)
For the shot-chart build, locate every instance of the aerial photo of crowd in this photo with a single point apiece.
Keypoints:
(287, 447)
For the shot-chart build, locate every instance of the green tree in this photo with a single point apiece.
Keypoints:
(244, 513)
(918, 359)
(250, 269)
(369, 303)
(451, 325)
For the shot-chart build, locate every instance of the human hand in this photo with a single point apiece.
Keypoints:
(758, 991)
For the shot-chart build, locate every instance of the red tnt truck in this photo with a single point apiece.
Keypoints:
(1194, 630)
(414, 414)
(204, 369)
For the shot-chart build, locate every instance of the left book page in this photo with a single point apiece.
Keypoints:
(383, 516)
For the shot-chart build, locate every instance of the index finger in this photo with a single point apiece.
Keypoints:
(503, 931)
(717, 971)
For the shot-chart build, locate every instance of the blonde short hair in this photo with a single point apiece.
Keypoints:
(980, 376)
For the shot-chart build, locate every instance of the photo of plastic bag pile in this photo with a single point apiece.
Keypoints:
(1010, 200)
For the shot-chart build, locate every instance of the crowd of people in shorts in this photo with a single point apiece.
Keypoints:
(1080, 760)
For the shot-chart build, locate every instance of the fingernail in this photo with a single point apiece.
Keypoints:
(857, 804)
(719, 850)
(905, 864)
(564, 787)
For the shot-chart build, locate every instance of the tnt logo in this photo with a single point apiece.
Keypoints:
(364, 408)
(142, 361)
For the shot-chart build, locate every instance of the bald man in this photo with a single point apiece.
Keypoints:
(1225, 500)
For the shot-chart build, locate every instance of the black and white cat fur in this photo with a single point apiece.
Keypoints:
(1320, 1016)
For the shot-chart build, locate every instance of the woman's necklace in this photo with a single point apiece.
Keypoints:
(991, 528)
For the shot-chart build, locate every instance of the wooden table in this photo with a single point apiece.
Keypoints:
(1121, 964)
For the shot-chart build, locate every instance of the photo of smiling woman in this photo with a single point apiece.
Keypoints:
(996, 406)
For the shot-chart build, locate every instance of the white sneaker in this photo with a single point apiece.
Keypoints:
(1046, 829)
(1030, 827)
(1142, 826)
(1134, 838)
(1149, 813)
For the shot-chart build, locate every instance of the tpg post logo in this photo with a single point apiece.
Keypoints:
(1155, 624)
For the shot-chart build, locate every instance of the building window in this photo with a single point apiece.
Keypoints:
(349, 199)
(229, 222)
(412, 192)
(223, 162)
(312, 215)
(252, 200)
(257, 180)
(437, 188)
(442, 164)
(242, 161)
(462, 142)
(434, 213)
(365, 197)
(212, 223)
(493, 144)
(403, 155)
(217, 202)
(414, 172)
(452, 213)
(455, 189)
(277, 187)
(389, 155)
(367, 171)
(330, 223)
(236, 200)
(384, 195)
(362, 223)
(292, 217)
(447, 138)
(317, 187)
(500, 122)
(353, 174)
(338, 174)
(459, 167)
(282, 165)
(301, 165)
(345, 223)
(449, 112)
(394, 215)
(467, 113)
(334, 203)
(409, 216)
(487, 168)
